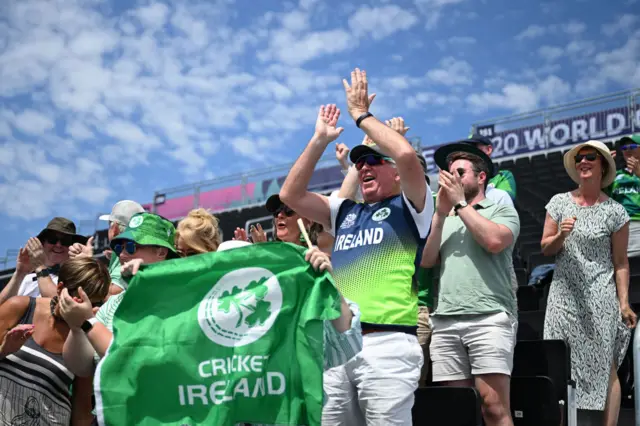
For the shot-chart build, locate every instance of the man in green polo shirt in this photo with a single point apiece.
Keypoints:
(474, 325)
(625, 189)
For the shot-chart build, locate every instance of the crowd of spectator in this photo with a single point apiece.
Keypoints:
(426, 279)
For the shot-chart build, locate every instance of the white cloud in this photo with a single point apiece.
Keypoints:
(516, 97)
(420, 99)
(574, 28)
(432, 10)
(381, 22)
(452, 72)
(550, 53)
(441, 120)
(623, 23)
(531, 32)
(79, 131)
(153, 16)
(291, 49)
(553, 90)
(33, 122)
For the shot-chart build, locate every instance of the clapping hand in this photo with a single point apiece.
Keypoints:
(23, 263)
(326, 130)
(15, 338)
(240, 235)
(358, 99)
(257, 234)
(36, 252)
(397, 124)
(451, 184)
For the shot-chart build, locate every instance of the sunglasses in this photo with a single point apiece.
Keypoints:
(284, 209)
(129, 246)
(628, 147)
(65, 240)
(592, 156)
(372, 160)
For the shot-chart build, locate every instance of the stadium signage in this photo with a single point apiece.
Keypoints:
(525, 140)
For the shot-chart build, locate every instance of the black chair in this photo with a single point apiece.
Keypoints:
(443, 405)
(534, 402)
(530, 325)
(552, 359)
(528, 298)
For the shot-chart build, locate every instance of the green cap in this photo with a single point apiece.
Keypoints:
(629, 139)
(148, 229)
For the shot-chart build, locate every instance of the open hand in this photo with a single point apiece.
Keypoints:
(75, 311)
(397, 124)
(451, 184)
(318, 259)
(36, 252)
(326, 129)
(443, 204)
(15, 338)
(23, 263)
(257, 234)
(240, 235)
(358, 99)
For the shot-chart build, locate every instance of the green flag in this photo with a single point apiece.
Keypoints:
(218, 339)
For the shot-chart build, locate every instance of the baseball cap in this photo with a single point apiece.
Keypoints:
(273, 203)
(149, 229)
(633, 139)
(365, 149)
(477, 138)
(122, 212)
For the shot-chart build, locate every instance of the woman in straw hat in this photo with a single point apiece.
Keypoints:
(588, 298)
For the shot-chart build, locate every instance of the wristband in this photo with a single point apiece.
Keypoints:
(362, 117)
(88, 324)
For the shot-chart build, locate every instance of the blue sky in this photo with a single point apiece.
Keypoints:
(105, 100)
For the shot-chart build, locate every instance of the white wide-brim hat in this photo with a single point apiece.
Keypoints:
(570, 162)
(232, 244)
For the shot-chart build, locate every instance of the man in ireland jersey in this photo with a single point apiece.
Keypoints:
(377, 246)
(625, 189)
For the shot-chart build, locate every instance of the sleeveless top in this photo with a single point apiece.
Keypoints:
(35, 385)
(375, 256)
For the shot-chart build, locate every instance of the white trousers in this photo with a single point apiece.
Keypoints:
(375, 388)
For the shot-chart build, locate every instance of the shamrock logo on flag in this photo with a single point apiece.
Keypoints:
(248, 304)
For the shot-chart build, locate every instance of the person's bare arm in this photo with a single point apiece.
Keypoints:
(431, 251)
(38, 262)
(294, 193)
(10, 313)
(81, 401)
(78, 353)
(553, 237)
(390, 142)
(23, 268)
(619, 244)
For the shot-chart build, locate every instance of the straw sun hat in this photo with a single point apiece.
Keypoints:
(570, 162)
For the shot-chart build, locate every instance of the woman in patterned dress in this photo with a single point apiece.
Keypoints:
(588, 298)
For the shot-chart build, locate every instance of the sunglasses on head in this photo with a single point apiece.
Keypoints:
(592, 156)
(630, 147)
(65, 240)
(129, 246)
(371, 160)
(284, 209)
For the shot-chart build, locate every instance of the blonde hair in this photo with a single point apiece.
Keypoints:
(88, 273)
(199, 230)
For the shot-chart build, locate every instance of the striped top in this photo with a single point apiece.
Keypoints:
(35, 386)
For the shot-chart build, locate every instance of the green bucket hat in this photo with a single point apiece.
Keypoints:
(148, 229)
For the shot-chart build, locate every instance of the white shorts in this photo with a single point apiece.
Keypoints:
(466, 346)
(376, 387)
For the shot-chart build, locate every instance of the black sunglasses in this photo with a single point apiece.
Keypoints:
(65, 240)
(284, 209)
(371, 160)
(592, 156)
(129, 246)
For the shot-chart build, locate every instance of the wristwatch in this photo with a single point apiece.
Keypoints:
(460, 205)
(88, 324)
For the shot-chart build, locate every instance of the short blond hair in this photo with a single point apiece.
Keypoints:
(88, 273)
(200, 231)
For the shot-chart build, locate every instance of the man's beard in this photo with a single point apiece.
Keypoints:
(470, 192)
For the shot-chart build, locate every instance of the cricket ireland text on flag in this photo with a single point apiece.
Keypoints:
(218, 339)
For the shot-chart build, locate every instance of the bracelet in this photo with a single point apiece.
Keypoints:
(362, 117)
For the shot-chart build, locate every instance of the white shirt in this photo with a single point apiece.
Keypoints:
(29, 285)
(498, 196)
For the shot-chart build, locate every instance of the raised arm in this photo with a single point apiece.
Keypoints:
(294, 193)
(390, 142)
(38, 261)
(23, 267)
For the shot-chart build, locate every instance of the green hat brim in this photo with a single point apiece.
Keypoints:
(144, 240)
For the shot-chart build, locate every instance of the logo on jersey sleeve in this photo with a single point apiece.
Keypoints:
(349, 221)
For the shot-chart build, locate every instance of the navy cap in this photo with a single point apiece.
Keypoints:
(477, 138)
